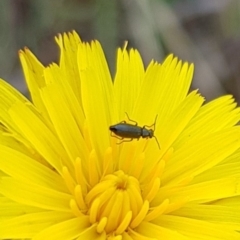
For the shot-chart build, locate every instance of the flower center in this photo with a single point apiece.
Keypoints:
(116, 203)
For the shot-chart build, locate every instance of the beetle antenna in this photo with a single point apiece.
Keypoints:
(157, 142)
(154, 130)
(155, 122)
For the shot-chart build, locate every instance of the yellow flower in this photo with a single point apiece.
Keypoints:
(64, 176)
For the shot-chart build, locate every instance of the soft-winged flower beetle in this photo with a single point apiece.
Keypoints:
(124, 130)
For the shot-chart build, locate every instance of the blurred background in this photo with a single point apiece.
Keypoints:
(205, 32)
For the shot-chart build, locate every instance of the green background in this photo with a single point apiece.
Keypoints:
(205, 32)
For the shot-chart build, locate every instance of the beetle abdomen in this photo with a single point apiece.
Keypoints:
(126, 130)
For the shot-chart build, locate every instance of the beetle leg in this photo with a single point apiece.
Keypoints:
(153, 125)
(149, 126)
(130, 120)
(113, 135)
(123, 121)
(125, 140)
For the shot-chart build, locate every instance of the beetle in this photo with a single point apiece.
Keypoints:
(124, 130)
